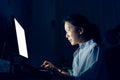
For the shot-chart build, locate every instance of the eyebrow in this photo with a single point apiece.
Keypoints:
(67, 28)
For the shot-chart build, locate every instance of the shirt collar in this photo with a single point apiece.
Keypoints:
(82, 45)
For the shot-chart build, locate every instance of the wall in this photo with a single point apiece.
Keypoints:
(104, 13)
(38, 20)
(42, 21)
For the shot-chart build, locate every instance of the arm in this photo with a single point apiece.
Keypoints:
(49, 65)
(57, 73)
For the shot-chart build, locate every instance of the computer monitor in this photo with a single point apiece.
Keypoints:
(21, 39)
(22, 46)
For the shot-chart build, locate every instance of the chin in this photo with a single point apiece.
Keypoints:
(73, 44)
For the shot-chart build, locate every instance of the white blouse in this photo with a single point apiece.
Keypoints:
(86, 65)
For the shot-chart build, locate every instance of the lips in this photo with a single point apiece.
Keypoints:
(69, 40)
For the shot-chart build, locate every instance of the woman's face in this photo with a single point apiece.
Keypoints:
(71, 34)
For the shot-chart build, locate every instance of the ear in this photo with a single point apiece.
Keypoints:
(81, 31)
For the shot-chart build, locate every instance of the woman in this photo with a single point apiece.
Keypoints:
(87, 63)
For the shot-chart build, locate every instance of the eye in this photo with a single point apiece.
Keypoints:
(68, 30)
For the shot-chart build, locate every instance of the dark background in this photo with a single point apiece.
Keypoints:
(42, 21)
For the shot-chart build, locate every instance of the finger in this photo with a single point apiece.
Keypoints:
(47, 66)
(44, 63)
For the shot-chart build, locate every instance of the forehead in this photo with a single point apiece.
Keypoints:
(68, 25)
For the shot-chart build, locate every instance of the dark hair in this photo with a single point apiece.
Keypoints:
(91, 31)
(77, 20)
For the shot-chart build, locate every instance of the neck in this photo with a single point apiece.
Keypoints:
(81, 40)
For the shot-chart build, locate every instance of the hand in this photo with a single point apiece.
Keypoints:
(47, 65)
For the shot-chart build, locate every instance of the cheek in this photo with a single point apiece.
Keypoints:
(75, 37)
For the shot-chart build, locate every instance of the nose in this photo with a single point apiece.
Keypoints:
(67, 35)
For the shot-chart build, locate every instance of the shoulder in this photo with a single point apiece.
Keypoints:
(92, 45)
(94, 49)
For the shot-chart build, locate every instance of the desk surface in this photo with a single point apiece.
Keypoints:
(26, 76)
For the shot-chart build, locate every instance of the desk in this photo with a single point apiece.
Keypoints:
(26, 76)
(21, 72)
